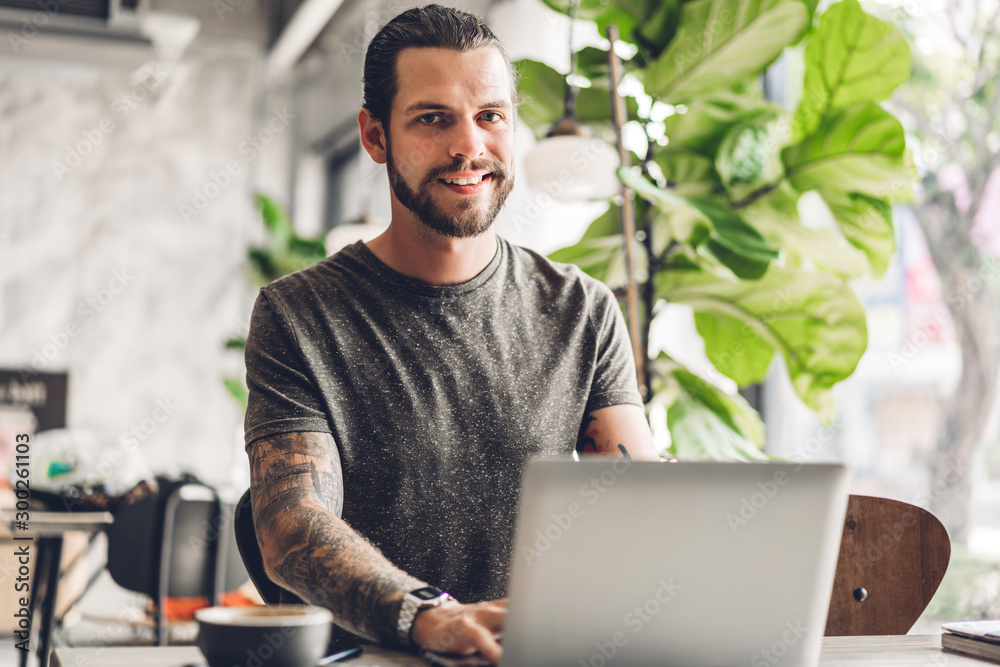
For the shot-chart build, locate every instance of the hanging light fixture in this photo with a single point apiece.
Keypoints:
(570, 163)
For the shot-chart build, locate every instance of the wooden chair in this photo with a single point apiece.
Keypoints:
(893, 556)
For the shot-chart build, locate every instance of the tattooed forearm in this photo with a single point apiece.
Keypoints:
(585, 443)
(297, 491)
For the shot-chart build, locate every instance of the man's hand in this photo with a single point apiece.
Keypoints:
(462, 629)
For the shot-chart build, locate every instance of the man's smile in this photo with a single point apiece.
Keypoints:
(466, 184)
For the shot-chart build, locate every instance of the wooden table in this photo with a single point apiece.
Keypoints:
(44, 537)
(908, 650)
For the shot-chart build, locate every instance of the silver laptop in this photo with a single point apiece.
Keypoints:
(692, 564)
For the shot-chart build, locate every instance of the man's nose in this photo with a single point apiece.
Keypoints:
(466, 140)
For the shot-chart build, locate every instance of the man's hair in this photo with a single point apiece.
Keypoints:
(430, 26)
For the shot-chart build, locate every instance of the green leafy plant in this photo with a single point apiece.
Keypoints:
(719, 188)
(285, 252)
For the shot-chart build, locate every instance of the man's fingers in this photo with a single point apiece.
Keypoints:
(482, 639)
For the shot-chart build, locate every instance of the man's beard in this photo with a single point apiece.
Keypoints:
(468, 222)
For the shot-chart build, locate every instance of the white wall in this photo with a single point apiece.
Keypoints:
(103, 274)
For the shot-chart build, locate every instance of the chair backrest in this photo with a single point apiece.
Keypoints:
(168, 544)
(246, 542)
(893, 556)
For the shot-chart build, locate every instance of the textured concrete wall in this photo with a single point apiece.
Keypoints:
(124, 215)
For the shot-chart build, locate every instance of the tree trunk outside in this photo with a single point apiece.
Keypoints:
(970, 292)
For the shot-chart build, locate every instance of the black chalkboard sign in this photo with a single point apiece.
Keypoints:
(43, 393)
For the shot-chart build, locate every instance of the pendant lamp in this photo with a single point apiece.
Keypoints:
(570, 163)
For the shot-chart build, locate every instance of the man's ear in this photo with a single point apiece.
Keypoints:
(372, 136)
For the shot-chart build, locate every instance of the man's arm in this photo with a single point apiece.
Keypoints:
(298, 496)
(602, 430)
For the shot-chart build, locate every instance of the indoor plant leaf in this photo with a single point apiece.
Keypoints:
(749, 157)
(658, 27)
(851, 57)
(813, 319)
(858, 149)
(704, 121)
(593, 105)
(746, 360)
(276, 221)
(599, 252)
(733, 242)
(592, 63)
(704, 421)
(866, 223)
(720, 42)
(543, 93)
(776, 216)
(687, 174)
(237, 388)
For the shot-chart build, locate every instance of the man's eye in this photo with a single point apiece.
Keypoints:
(497, 117)
(432, 116)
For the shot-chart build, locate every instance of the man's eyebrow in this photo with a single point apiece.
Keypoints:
(437, 106)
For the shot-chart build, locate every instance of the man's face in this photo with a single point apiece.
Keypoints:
(451, 118)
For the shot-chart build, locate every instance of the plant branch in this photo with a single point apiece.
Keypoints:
(755, 195)
(923, 123)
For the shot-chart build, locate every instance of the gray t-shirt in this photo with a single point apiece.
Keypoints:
(437, 396)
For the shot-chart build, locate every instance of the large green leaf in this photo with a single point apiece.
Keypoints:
(858, 149)
(543, 90)
(585, 9)
(276, 221)
(592, 63)
(656, 30)
(733, 242)
(237, 388)
(602, 258)
(687, 174)
(776, 217)
(866, 223)
(813, 319)
(852, 57)
(704, 421)
(749, 157)
(593, 106)
(721, 42)
(705, 120)
(747, 357)
(599, 253)
(622, 15)
(286, 252)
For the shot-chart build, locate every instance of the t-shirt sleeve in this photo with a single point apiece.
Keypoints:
(283, 396)
(614, 376)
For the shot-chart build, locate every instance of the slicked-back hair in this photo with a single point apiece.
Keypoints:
(430, 26)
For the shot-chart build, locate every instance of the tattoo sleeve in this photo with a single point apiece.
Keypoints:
(586, 442)
(298, 497)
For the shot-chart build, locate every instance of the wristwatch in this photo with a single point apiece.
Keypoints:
(414, 602)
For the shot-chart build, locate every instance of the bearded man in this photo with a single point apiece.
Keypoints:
(399, 388)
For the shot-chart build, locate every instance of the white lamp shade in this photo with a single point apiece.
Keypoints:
(573, 168)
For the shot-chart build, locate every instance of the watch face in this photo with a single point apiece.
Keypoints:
(427, 593)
